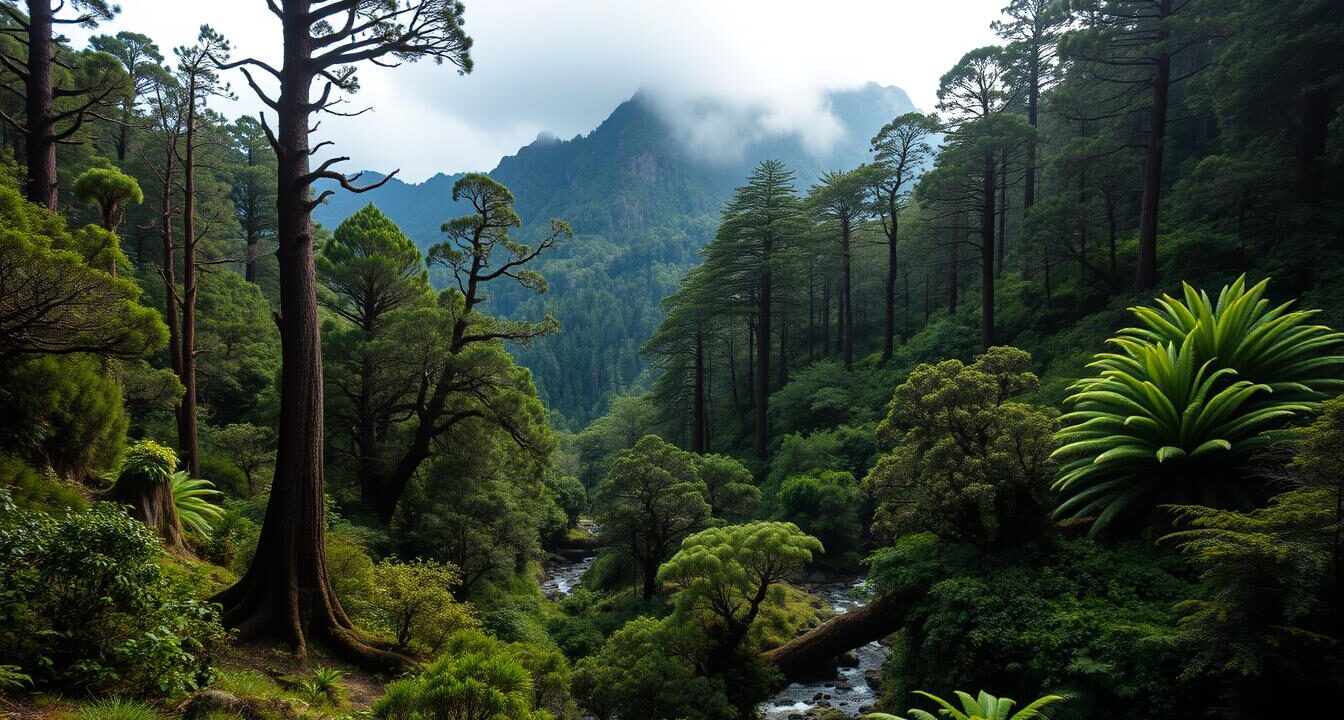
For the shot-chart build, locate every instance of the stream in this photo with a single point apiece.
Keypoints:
(848, 692)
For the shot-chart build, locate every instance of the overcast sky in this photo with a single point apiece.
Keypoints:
(561, 67)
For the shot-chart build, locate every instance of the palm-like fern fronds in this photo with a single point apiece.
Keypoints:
(1175, 415)
(194, 499)
(1262, 342)
(982, 707)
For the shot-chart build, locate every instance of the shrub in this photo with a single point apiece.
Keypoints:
(481, 683)
(85, 606)
(826, 505)
(116, 709)
(414, 601)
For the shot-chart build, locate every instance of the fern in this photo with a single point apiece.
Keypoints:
(1176, 414)
(194, 499)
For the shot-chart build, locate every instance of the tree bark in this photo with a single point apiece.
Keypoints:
(1146, 275)
(987, 254)
(286, 591)
(802, 657)
(698, 402)
(889, 292)
(846, 299)
(762, 377)
(40, 107)
(151, 503)
(187, 439)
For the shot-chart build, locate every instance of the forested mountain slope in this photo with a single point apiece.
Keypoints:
(642, 200)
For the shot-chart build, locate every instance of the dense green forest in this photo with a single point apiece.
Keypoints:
(1034, 396)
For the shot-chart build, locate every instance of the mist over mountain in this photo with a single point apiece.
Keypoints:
(642, 192)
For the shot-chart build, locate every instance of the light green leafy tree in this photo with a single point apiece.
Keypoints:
(725, 574)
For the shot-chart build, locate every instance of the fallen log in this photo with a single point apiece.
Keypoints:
(802, 657)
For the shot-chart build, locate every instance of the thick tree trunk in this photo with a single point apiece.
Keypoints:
(987, 255)
(169, 270)
(286, 592)
(805, 656)
(151, 503)
(39, 107)
(1146, 276)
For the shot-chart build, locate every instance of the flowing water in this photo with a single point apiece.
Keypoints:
(562, 576)
(848, 692)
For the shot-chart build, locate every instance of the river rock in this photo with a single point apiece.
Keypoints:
(874, 680)
(848, 660)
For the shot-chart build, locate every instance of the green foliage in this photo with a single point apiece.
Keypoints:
(967, 461)
(87, 607)
(326, 685)
(570, 495)
(981, 707)
(651, 499)
(723, 575)
(826, 504)
(1271, 573)
(414, 601)
(110, 189)
(12, 678)
(56, 295)
(480, 683)
(1176, 414)
(149, 461)
(1094, 620)
(31, 489)
(729, 488)
(239, 349)
(64, 413)
(195, 499)
(640, 674)
(115, 708)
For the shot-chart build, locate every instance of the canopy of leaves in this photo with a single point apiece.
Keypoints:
(966, 461)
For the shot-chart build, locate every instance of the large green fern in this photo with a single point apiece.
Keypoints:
(983, 707)
(194, 499)
(1176, 414)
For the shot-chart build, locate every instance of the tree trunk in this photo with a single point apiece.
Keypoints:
(826, 317)
(804, 656)
(1033, 109)
(846, 298)
(698, 402)
(186, 415)
(151, 503)
(286, 591)
(1001, 246)
(39, 106)
(987, 255)
(762, 377)
(1146, 276)
(889, 295)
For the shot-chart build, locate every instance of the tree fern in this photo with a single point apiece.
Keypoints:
(1176, 414)
(195, 502)
(982, 707)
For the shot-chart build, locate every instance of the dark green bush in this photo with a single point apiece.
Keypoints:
(85, 606)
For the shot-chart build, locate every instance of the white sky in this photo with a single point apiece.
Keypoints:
(562, 66)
